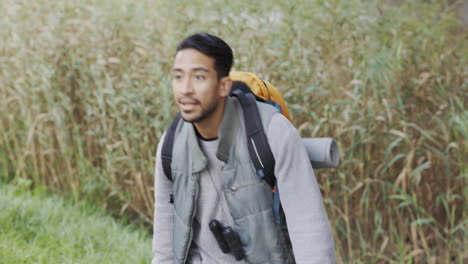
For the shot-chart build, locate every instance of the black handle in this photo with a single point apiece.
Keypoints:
(216, 228)
(233, 240)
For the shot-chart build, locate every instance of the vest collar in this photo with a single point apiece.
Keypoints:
(226, 134)
(227, 130)
(199, 161)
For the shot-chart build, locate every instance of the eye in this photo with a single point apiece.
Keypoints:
(200, 77)
(177, 76)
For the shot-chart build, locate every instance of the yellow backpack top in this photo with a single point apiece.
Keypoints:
(261, 89)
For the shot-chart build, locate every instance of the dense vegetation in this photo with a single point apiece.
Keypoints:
(85, 95)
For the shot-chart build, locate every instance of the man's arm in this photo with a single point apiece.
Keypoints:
(162, 228)
(302, 203)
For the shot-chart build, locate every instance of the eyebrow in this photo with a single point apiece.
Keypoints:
(194, 69)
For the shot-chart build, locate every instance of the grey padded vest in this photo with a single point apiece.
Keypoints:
(249, 199)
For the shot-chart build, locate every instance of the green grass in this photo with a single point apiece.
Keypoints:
(38, 228)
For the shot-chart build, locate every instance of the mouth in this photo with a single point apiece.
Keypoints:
(188, 104)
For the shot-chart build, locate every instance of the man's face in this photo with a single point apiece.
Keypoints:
(195, 85)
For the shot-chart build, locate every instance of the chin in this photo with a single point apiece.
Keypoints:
(190, 118)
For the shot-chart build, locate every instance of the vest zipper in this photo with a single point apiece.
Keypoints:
(191, 219)
(235, 188)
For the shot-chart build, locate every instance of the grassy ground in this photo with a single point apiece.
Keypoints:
(85, 95)
(37, 228)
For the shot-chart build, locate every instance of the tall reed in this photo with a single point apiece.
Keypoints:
(85, 95)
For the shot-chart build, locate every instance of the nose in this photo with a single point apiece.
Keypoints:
(186, 86)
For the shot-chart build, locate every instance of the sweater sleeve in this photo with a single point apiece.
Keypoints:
(163, 210)
(307, 222)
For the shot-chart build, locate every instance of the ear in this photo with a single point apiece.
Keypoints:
(225, 85)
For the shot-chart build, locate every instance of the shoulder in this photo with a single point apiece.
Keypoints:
(281, 133)
(279, 122)
(267, 110)
(160, 145)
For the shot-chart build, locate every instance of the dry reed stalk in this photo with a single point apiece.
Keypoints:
(390, 86)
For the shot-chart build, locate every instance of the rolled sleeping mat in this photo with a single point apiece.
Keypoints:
(323, 152)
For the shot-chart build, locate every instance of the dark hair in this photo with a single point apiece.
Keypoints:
(212, 46)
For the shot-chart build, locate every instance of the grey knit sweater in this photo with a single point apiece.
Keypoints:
(307, 221)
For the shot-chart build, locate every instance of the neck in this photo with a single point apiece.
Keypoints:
(208, 127)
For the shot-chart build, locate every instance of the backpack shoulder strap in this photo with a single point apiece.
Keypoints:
(168, 144)
(259, 149)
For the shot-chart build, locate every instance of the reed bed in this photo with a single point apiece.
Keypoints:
(85, 95)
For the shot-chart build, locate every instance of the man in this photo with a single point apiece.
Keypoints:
(213, 177)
